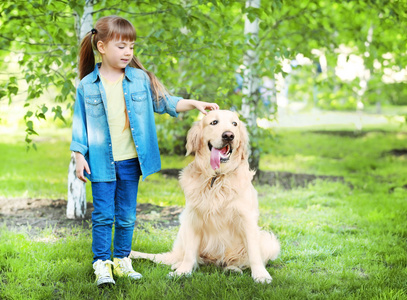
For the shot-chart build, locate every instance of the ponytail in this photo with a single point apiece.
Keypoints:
(86, 56)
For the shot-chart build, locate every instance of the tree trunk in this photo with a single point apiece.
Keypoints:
(86, 22)
(251, 85)
(76, 207)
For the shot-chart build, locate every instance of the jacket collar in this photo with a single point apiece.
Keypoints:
(128, 73)
(96, 74)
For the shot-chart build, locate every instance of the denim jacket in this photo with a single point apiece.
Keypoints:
(90, 129)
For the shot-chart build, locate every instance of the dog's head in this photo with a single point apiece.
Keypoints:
(220, 137)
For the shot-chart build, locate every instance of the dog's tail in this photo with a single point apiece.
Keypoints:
(161, 258)
(270, 246)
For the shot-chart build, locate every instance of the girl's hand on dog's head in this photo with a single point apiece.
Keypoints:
(204, 106)
(188, 104)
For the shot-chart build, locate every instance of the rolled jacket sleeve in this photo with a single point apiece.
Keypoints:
(167, 105)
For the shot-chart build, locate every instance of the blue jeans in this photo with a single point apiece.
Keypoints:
(115, 202)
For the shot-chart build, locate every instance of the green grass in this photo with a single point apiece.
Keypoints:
(43, 172)
(339, 240)
(35, 173)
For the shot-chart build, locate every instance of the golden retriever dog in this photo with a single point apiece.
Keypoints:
(219, 222)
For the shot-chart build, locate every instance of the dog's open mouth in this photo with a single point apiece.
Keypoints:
(219, 155)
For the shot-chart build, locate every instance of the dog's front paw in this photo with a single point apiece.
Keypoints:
(176, 265)
(182, 270)
(261, 276)
(179, 274)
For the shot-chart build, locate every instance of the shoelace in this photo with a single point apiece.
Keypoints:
(125, 265)
(101, 269)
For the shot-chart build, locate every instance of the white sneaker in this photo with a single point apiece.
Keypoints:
(122, 268)
(103, 272)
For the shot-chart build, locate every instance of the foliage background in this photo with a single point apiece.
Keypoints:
(195, 47)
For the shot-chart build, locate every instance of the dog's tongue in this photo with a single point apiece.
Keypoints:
(215, 157)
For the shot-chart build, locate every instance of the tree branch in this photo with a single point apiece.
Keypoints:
(31, 53)
(180, 51)
(22, 17)
(281, 20)
(28, 43)
(46, 32)
(130, 13)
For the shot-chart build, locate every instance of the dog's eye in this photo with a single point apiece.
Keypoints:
(234, 123)
(214, 122)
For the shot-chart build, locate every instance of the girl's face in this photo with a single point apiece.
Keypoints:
(116, 54)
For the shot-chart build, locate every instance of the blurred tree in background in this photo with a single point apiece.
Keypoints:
(196, 47)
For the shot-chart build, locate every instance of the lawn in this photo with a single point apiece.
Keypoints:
(344, 239)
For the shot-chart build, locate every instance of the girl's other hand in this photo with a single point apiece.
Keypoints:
(81, 164)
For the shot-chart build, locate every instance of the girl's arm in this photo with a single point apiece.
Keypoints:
(79, 143)
(188, 104)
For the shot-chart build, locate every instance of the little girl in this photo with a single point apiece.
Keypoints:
(114, 137)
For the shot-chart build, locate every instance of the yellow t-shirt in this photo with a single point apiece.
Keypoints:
(122, 140)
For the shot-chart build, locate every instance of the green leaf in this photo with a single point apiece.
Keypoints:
(58, 113)
(28, 115)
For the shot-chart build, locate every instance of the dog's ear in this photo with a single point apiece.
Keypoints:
(194, 138)
(244, 141)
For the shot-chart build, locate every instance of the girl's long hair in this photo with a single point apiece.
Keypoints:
(108, 29)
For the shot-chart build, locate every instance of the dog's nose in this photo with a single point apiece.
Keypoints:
(228, 136)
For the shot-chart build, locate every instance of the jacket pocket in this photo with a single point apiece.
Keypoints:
(139, 96)
(94, 105)
(139, 100)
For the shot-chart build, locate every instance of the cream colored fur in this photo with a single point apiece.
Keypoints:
(219, 222)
